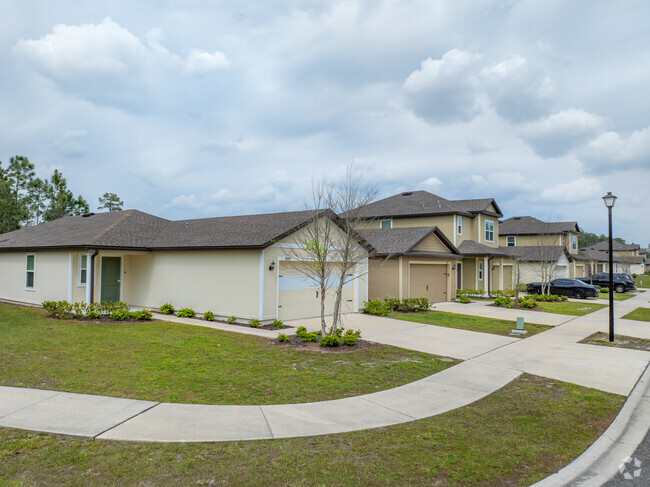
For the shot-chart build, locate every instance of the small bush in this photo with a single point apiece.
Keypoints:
(510, 305)
(350, 337)
(141, 315)
(527, 302)
(376, 307)
(167, 309)
(254, 323)
(301, 330)
(392, 303)
(278, 324)
(604, 290)
(502, 301)
(464, 298)
(208, 316)
(634, 276)
(308, 337)
(330, 341)
(282, 338)
(232, 320)
(58, 309)
(186, 313)
(547, 297)
(119, 315)
(470, 292)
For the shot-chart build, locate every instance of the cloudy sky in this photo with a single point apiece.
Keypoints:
(204, 108)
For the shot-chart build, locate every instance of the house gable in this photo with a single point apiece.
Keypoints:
(431, 244)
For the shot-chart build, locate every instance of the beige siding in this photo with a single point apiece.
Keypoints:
(383, 279)
(51, 277)
(534, 240)
(469, 273)
(431, 244)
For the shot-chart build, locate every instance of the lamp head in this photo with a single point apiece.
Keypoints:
(609, 199)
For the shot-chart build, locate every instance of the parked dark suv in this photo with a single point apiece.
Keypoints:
(622, 282)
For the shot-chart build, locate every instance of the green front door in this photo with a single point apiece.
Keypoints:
(110, 279)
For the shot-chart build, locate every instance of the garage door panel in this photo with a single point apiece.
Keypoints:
(429, 281)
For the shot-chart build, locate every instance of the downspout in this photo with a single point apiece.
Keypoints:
(91, 281)
(489, 272)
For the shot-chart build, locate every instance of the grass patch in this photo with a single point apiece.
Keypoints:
(617, 296)
(170, 362)
(640, 314)
(620, 341)
(569, 307)
(642, 280)
(516, 436)
(467, 322)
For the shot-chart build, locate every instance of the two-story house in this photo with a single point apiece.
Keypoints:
(466, 253)
(627, 257)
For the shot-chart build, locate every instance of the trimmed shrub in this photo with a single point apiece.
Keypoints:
(232, 320)
(464, 299)
(254, 323)
(301, 330)
(167, 309)
(350, 337)
(186, 313)
(142, 315)
(330, 341)
(278, 324)
(119, 315)
(393, 303)
(604, 290)
(502, 301)
(376, 307)
(282, 338)
(413, 305)
(470, 292)
(308, 337)
(527, 302)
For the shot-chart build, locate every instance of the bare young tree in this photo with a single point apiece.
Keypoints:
(548, 241)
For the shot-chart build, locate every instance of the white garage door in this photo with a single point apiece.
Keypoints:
(299, 295)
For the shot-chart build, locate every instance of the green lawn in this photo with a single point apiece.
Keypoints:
(466, 322)
(516, 436)
(617, 296)
(642, 280)
(569, 307)
(641, 314)
(170, 362)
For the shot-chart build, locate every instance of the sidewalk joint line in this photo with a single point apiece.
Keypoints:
(267, 422)
(386, 407)
(58, 393)
(127, 419)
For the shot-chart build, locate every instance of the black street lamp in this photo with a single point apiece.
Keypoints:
(609, 200)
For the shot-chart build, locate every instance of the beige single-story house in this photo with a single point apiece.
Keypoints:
(240, 265)
(418, 262)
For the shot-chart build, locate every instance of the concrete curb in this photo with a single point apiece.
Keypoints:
(600, 462)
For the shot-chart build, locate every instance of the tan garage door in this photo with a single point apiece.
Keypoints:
(299, 296)
(428, 281)
(507, 277)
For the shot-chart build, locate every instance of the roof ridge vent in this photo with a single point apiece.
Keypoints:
(86, 215)
(186, 224)
(407, 193)
(517, 218)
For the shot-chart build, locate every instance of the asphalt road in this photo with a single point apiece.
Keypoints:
(641, 454)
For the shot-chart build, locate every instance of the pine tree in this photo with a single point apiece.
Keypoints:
(110, 202)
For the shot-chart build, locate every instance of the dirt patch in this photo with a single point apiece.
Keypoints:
(297, 344)
(620, 341)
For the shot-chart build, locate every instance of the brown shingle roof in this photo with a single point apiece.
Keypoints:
(423, 203)
(536, 253)
(133, 229)
(400, 241)
(527, 225)
(471, 248)
(604, 246)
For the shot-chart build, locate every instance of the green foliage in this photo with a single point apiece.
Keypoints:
(119, 315)
(511, 293)
(186, 313)
(308, 337)
(141, 315)
(254, 323)
(330, 341)
(376, 307)
(604, 290)
(110, 202)
(587, 239)
(167, 309)
(208, 316)
(547, 297)
(350, 337)
(278, 324)
(393, 303)
(58, 309)
(301, 330)
(413, 305)
(527, 302)
(282, 338)
(470, 292)
(502, 301)
(464, 299)
(61, 200)
(232, 320)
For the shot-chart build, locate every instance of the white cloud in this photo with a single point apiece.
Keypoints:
(185, 202)
(558, 134)
(444, 90)
(611, 151)
(498, 182)
(582, 189)
(222, 196)
(221, 147)
(107, 64)
(431, 183)
(518, 90)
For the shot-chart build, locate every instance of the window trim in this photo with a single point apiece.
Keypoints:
(491, 223)
(381, 223)
(574, 242)
(459, 225)
(33, 271)
(514, 241)
(81, 268)
(480, 271)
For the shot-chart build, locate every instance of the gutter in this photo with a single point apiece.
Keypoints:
(92, 276)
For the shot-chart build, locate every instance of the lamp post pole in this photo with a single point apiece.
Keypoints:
(609, 200)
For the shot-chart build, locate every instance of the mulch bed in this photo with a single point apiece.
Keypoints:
(298, 344)
(268, 326)
(104, 319)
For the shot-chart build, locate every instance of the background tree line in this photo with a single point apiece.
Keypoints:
(586, 239)
(26, 200)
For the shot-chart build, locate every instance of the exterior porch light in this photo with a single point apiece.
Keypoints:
(609, 200)
(272, 266)
(453, 267)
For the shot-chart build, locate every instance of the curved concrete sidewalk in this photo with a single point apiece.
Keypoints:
(127, 419)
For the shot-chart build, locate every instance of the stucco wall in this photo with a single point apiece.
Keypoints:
(50, 277)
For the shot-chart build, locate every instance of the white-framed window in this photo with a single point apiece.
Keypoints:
(480, 271)
(30, 271)
(574, 242)
(511, 241)
(489, 231)
(83, 269)
(459, 225)
(388, 223)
